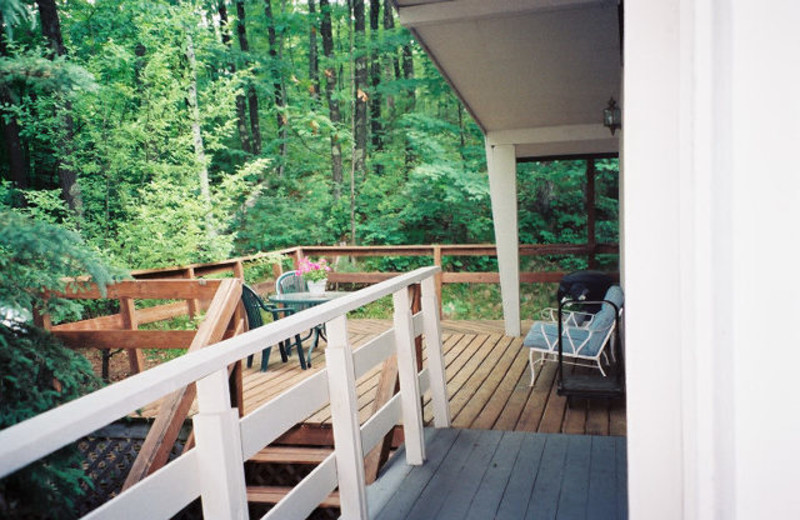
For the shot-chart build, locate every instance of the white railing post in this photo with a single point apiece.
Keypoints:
(409, 378)
(433, 344)
(219, 450)
(344, 419)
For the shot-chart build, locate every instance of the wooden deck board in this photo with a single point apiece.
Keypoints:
(506, 475)
(602, 478)
(572, 504)
(458, 502)
(493, 486)
(523, 476)
(482, 384)
(513, 381)
(403, 497)
(469, 444)
(488, 382)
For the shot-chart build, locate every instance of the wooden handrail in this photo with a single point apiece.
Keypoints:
(436, 251)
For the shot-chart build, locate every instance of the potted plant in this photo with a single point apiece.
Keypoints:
(315, 274)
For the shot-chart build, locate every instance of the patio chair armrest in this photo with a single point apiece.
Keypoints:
(571, 318)
(594, 327)
(275, 310)
(565, 303)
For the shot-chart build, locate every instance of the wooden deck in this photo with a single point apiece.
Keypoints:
(487, 381)
(472, 474)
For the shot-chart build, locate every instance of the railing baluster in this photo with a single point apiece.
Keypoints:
(219, 450)
(409, 381)
(344, 418)
(433, 342)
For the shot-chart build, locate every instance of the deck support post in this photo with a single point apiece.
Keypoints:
(502, 163)
(193, 305)
(344, 419)
(127, 309)
(433, 340)
(219, 450)
(409, 379)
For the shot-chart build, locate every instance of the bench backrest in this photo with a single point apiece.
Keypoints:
(605, 318)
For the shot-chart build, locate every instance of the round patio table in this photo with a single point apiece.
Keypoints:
(302, 300)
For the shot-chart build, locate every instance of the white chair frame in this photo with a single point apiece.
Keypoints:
(570, 323)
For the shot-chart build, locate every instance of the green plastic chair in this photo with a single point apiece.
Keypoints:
(253, 305)
(291, 282)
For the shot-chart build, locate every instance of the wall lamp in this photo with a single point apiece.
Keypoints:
(612, 116)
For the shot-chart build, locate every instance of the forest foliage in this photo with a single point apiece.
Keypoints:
(168, 132)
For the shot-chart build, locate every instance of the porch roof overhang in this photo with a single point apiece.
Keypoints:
(533, 73)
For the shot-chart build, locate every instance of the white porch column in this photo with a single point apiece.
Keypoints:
(502, 163)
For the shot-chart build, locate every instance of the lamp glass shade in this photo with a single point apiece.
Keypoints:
(612, 116)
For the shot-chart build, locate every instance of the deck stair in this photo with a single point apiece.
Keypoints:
(291, 455)
(294, 458)
(273, 494)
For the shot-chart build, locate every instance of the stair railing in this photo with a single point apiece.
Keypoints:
(214, 469)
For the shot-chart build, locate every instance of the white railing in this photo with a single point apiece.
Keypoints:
(214, 468)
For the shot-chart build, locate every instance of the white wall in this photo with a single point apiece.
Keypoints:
(712, 196)
(766, 213)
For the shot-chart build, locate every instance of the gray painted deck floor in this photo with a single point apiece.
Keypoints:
(485, 474)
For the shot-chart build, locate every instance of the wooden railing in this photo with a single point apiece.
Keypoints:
(121, 330)
(213, 469)
(436, 252)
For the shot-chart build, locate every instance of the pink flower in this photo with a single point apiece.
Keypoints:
(314, 271)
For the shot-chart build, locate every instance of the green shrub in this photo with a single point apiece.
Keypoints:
(37, 255)
(36, 374)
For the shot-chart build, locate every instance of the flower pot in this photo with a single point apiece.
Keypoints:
(317, 287)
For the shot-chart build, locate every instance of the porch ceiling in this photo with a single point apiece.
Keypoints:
(535, 73)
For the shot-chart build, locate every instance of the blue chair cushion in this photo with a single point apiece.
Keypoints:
(543, 331)
(614, 295)
(605, 318)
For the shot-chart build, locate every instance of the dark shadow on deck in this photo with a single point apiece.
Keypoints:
(484, 474)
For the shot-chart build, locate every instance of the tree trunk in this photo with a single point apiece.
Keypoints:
(241, 116)
(375, 101)
(462, 137)
(313, 56)
(51, 27)
(360, 87)
(408, 73)
(197, 136)
(67, 177)
(277, 86)
(326, 31)
(252, 98)
(388, 24)
(16, 154)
